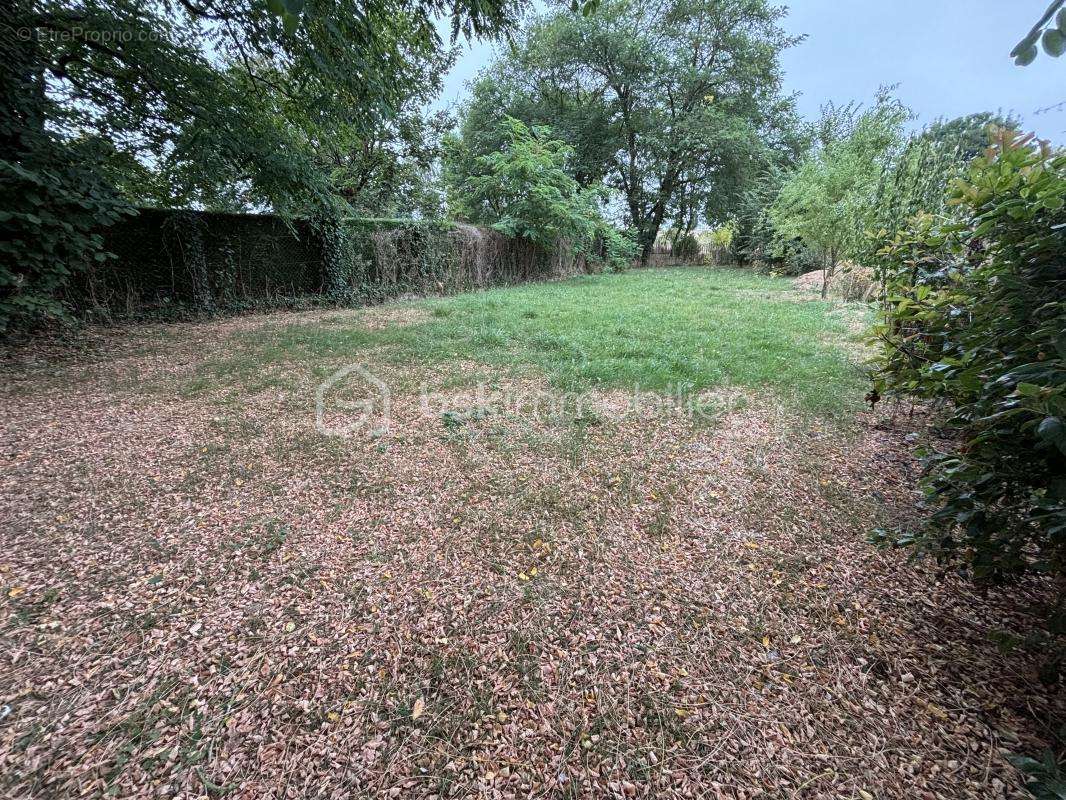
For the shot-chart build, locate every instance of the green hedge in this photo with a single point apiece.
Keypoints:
(974, 320)
(189, 263)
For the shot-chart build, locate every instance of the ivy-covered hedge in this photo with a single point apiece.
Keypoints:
(187, 263)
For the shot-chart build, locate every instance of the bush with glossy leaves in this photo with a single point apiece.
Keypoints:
(975, 319)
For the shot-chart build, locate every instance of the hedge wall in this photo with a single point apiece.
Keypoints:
(191, 262)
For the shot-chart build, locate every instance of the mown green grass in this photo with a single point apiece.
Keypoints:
(660, 330)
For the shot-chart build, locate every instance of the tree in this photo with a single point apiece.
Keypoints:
(524, 190)
(223, 93)
(395, 170)
(829, 201)
(970, 135)
(217, 103)
(916, 181)
(667, 104)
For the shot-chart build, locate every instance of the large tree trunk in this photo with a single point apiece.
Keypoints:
(646, 240)
(647, 220)
(649, 233)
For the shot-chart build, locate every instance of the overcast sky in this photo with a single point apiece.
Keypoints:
(949, 58)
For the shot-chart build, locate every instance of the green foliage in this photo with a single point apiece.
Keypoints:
(51, 209)
(914, 184)
(975, 317)
(52, 204)
(617, 249)
(1044, 778)
(524, 190)
(917, 179)
(400, 256)
(394, 170)
(1049, 31)
(344, 271)
(828, 202)
(721, 237)
(755, 241)
(671, 106)
(686, 247)
(967, 135)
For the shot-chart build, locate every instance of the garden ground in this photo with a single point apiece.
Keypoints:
(533, 588)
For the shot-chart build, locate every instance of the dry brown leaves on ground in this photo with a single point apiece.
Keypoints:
(207, 598)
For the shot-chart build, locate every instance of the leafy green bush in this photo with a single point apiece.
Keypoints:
(52, 210)
(619, 248)
(686, 247)
(975, 317)
(788, 257)
(524, 190)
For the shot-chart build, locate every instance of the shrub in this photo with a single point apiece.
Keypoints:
(619, 248)
(52, 210)
(687, 247)
(524, 190)
(975, 317)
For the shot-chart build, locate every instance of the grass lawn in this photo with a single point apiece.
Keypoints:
(662, 330)
(201, 595)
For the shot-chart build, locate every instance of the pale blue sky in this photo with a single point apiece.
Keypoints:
(949, 58)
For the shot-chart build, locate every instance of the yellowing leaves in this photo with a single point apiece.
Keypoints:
(15, 591)
(937, 711)
(418, 708)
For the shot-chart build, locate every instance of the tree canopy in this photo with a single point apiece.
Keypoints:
(524, 189)
(829, 200)
(671, 105)
(223, 102)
